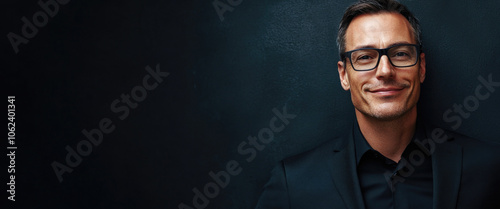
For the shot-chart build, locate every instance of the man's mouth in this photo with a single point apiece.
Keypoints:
(386, 91)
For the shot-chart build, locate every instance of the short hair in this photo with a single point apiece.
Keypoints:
(373, 7)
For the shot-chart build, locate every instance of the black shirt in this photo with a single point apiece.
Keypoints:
(386, 184)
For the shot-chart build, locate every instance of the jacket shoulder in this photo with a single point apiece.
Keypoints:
(469, 143)
(476, 152)
(316, 153)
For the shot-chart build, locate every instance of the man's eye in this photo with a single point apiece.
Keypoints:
(364, 57)
(401, 54)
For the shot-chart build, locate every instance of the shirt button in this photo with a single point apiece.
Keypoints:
(394, 174)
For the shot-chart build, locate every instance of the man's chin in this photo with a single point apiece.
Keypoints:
(386, 117)
(385, 114)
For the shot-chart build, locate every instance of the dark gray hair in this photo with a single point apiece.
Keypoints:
(373, 7)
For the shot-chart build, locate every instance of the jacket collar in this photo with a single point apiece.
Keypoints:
(344, 174)
(446, 168)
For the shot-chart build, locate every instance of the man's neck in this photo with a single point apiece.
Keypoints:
(390, 138)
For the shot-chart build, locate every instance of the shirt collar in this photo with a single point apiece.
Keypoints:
(361, 146)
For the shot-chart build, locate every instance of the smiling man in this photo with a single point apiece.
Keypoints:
(390, 159)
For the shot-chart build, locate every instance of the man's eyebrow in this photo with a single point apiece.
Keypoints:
(373, 46)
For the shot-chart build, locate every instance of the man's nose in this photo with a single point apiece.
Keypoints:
(385, 69)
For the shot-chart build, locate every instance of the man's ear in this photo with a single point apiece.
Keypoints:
(422, 67)
(344, 79)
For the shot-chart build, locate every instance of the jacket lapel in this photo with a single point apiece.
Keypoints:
(344, 175)
(446, 171)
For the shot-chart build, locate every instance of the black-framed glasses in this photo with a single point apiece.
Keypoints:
(401, 55)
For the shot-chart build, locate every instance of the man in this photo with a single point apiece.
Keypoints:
(389, 159)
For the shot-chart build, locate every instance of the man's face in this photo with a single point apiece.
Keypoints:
(386, 92)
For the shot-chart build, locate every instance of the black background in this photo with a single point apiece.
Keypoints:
(225, 79)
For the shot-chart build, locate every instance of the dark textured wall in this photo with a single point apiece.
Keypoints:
(225, 78)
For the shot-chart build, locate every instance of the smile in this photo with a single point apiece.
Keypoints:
(387, 91)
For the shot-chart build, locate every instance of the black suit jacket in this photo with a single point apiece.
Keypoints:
(466, 175)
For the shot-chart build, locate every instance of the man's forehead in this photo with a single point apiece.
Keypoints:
(378, 30)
